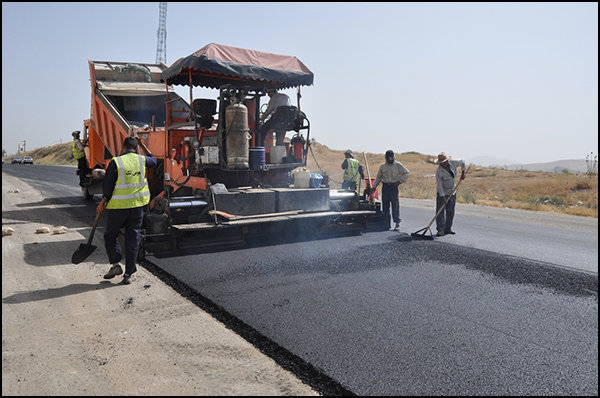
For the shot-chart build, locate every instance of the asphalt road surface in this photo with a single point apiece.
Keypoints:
(508, 306)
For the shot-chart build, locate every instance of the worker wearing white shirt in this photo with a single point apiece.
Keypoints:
(266, 119)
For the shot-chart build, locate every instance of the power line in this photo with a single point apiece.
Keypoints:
(161, 46)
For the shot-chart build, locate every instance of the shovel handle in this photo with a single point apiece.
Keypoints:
(89, 242)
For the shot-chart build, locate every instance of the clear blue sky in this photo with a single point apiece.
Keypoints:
(515, 81)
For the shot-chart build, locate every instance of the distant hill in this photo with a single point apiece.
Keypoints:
(489, 161)
(55, 154)
(574, 166)
(61, 154)
(535, 186)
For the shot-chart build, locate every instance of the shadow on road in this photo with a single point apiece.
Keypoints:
(70, 217)
(45, 294)
(44, 254)
(65, 200)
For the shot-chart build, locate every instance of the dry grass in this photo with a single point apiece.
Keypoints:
(55, 154)
(530, 190)
(540, 191)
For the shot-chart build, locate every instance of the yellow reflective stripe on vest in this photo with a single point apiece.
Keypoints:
(77, 153)
(131, 189)
(351, 171)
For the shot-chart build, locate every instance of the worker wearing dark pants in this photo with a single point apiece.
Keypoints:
(79, 155)
(392, 173)
(131, 220)
(83, 170)
(389, 196)
(445, 177)
(351, 171)
(126, 191)
(446, 217)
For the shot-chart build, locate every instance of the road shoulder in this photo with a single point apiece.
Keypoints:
(67, 331)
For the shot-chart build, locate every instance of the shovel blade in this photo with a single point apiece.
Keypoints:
(82, 253)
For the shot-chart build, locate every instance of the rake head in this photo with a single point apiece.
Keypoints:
(421, 235)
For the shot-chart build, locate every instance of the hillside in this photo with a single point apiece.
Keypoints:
(567, 193)
(55, 154)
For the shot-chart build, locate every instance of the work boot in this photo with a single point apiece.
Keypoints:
(449, 232)
(113, 271)
(126, 280)
(397, 227)
(440, 234)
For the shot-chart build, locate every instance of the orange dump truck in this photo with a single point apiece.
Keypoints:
(220, 180)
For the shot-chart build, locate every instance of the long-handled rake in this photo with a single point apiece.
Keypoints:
(420, 234)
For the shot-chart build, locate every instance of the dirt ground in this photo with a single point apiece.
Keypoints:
(68, 331)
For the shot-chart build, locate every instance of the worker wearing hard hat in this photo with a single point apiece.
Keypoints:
(352, 169)
(392, 173)
(79, 155)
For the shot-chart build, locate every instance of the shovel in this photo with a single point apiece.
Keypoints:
(85, 249)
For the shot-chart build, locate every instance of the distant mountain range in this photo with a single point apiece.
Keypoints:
(572, 165)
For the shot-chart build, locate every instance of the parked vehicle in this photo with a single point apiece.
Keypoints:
(27, 160)
(16, 160)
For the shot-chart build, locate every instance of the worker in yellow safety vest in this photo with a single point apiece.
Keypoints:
(352, 169)
(79, 155)
(125, 193)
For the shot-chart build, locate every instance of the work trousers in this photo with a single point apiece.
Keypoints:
(443, 221)
(389, 195)
(351, 185)
(116, 219)
(83, 169)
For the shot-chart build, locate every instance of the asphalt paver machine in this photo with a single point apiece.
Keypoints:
(221, 180)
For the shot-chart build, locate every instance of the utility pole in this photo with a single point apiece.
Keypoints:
(161, 46)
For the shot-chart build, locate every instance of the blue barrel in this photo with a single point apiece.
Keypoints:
(315, 180)
(257, 158)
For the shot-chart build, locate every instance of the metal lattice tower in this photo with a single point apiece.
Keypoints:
(161, 46)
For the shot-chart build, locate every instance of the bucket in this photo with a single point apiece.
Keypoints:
(302, 179)
(375, 194)
(257, 158)
(277, 154)
(315, 180)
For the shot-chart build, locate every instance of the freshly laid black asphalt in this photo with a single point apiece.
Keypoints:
(385, 314)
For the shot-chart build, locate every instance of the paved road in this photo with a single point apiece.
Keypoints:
(505, 307)
(558, 239)
(386, 315)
